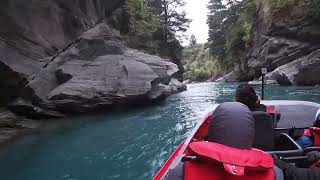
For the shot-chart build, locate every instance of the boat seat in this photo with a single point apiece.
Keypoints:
(264, 131)
(310, 149)
(285, 146)
(275, 115)
(315, 132)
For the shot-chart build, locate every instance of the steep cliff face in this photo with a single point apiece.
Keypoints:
(32, 31)
(63, 56)
(286, 40)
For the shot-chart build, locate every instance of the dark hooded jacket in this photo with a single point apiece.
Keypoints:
(233, 126)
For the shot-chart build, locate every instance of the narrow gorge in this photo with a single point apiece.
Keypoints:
(61, 58)
(282, 36)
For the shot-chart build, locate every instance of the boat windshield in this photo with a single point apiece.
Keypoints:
(297, 114)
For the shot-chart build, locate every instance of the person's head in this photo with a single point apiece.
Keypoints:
(246, 94)
(233, 125)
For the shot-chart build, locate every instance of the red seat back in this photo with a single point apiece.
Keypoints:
(215, 161)
(199, 170)
(315, 131)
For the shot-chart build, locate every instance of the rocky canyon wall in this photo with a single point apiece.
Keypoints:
(62, 57)
(287, 42)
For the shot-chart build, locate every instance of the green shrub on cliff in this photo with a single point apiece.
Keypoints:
(155, 26)
(314, 12)
(239, 36)
(199, 63)
(284, 7)
(277, 6)
(230, 29)
(142, 24)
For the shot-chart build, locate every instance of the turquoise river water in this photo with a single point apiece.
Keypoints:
(130, 145)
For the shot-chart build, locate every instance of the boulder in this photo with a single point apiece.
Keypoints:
(309, 70)
(32, 31)
(177, 86)
(92, 44)
(282, 36)
(280, 77)
(301, 72)
(12, 125)
(24, 108)
(105, 81)
(187, 81)
(277, 51)
(62, 56)
(111, 80)
(161, 91)
(228, 78)
(97, 72)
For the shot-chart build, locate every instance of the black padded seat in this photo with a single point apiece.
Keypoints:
(264, 131)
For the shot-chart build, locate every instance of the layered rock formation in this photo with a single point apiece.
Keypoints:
(287, 42)
(12, 126)
(62, 57)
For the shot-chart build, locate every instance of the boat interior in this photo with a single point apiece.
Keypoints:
(277, 129)
(276, 132)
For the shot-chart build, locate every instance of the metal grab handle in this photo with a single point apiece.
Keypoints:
(294, 159)
(292, 128)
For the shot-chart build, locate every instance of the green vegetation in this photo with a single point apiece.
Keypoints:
(153, 26)
(199, 64)
(142, 24)
(294, 8)
(280, 8)
(230, 28)
(239, 36)
(230, 33)
(314, 12)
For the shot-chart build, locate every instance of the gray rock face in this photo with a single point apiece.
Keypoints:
(228, 78)
(31, 31)
(85, 82)
(23, 108)
(11, 125)
(107, 80)
(280, 38)
(302, 72)
(95, 73)
(55, 57)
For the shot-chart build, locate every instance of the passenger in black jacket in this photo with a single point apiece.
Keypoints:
(246, 95)
(292, 172)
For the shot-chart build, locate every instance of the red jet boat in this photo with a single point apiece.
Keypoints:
(287, 121)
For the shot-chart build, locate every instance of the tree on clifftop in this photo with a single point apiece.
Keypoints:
(173, 23)
(172, 20)
(230, 27)
(222, 16)
(156, 26)
(142, 23)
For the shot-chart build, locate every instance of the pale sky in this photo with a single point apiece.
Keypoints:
(197, 11)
